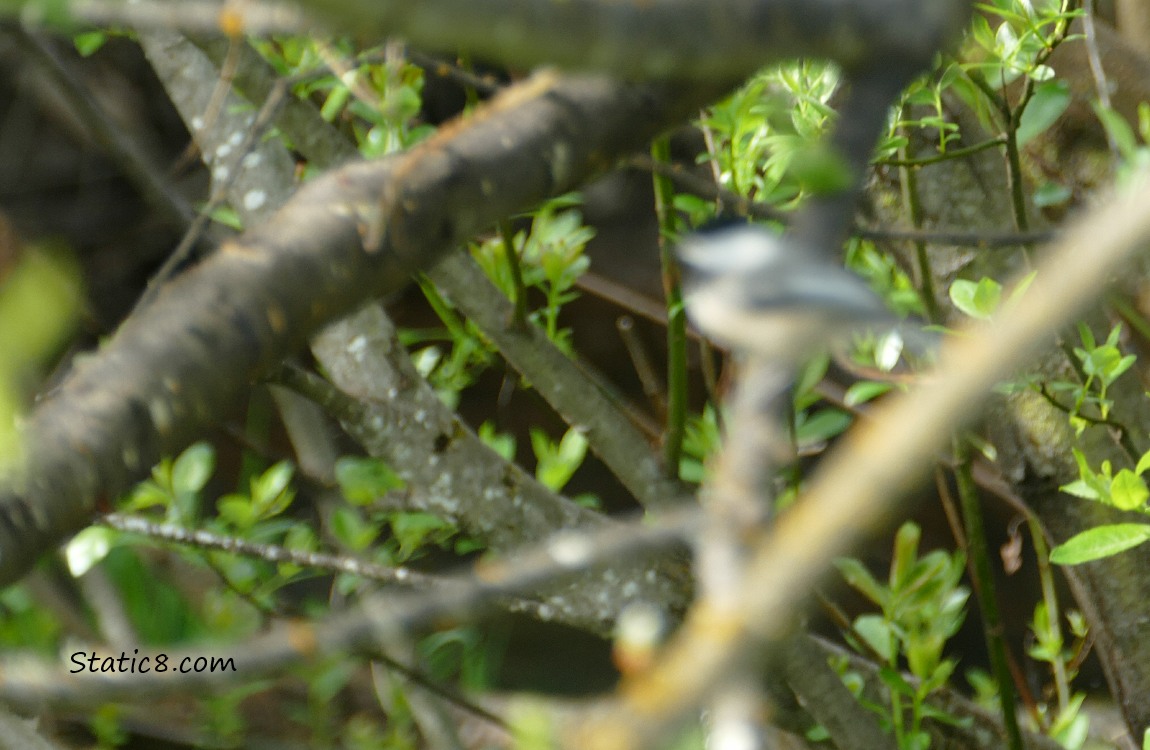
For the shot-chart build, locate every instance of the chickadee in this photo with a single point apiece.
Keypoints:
(745, 288)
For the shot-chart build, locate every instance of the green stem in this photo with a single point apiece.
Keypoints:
(984, 590)
(955, 153)
(896, 716)
(1125, 441)
(1129, 314)
(1014, 177)
(1050, 598)
(446, 312)
(519, 293)
(676, 317)
(910, 197)
(1010, 120)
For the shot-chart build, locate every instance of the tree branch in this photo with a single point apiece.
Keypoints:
(663, 38)
(171, 370)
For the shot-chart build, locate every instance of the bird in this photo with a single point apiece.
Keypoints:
(750, 289)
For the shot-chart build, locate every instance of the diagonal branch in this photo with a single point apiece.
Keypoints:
(863, 480)
(172, 369)
(397, 416)
(571, 390)
(568, 387)
(393, 413)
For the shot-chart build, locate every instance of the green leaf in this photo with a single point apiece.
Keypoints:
(500, 442)
(978, 300)
(878, 635)
(573, 447)
(227, 216)
(864, 391)
(147, 495)
(273, 481)
(1122, 366)
(414, 530)
(557, 463)
(87, 43)
(1087, 336)
(335, 103)
(822, 425)
(692, 470)
(1143, 464)
(819, 169)
(1090, 486)
(271, 491)
(940, 676)
(194, 467)
(237, 510)
(39, 302)
(810, 376)
(364, 480)
(904, 558)
(922, 656)
(1081, 489)
(87, 548)
(1118, 129)
(299, 538)
(1050, 100)
(985, 447)
(859, 578)
(1128, 491)
(1102, 361)
(1071, 724)
(348, 526)
(1100, 542)
(894, 680)
(931, 712)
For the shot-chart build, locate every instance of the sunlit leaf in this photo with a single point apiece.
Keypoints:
(1100, 542)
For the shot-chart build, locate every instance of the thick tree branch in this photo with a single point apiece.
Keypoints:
(394, 414)
(171, 370)
(685, 39)
(570, 390)
(567, 387)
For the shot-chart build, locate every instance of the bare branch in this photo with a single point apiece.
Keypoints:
(396, 415)
(571, 390)
(205, 16)
(171, 370)
(664, 38)
(31, 683)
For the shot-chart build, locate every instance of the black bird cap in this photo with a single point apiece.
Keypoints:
(712, 227)
(720, 221)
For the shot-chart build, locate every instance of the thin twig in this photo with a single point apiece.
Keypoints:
(641, 362)
(274, 553)
(985, 590)
(676, 315)
(154, 187)
(1101, 85)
